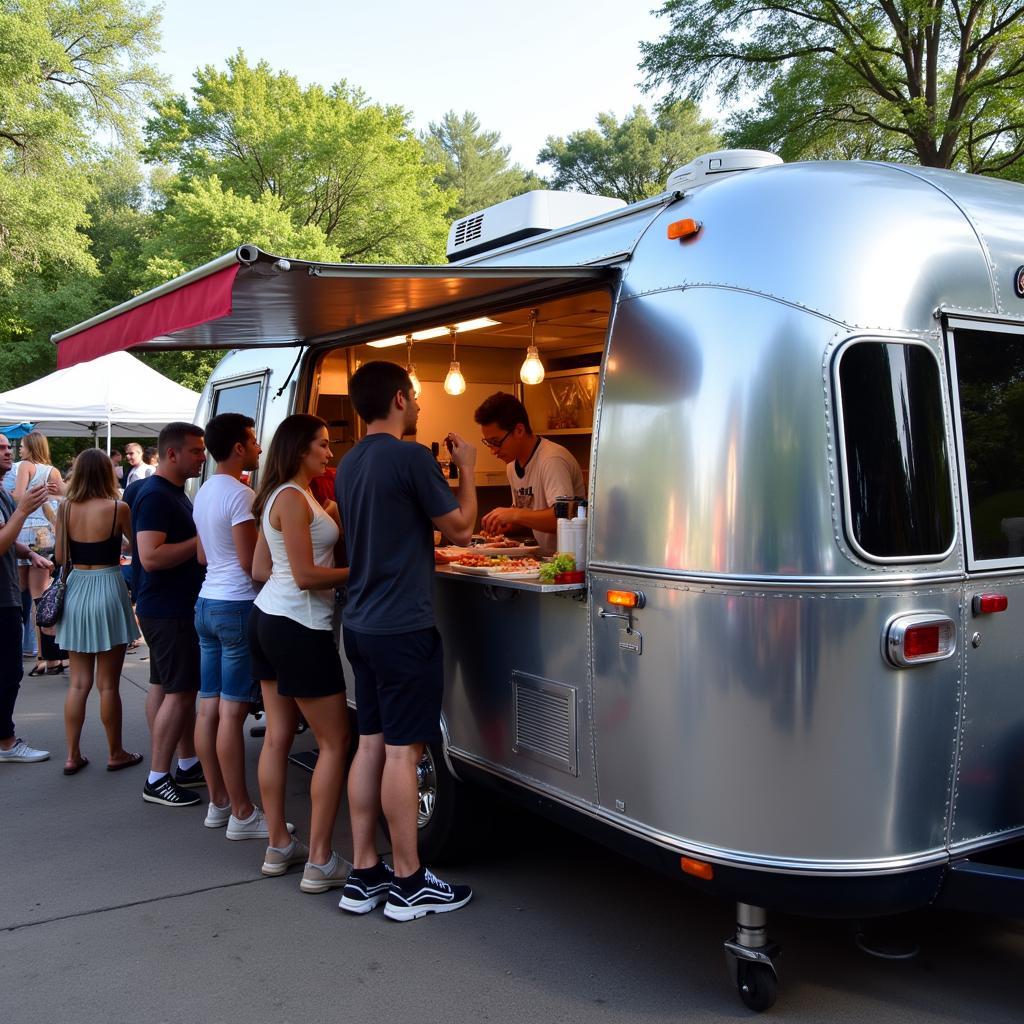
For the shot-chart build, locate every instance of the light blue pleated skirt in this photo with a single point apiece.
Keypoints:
(97, 612)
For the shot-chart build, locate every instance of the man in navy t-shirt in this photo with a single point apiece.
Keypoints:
(167, 577)
(392, 495)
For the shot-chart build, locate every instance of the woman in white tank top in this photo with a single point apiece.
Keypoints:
(291, 639)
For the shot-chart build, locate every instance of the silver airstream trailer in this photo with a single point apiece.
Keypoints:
(793, 674)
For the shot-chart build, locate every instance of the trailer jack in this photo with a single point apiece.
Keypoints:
(751, 958)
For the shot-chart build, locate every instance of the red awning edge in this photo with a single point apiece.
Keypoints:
(193, 304)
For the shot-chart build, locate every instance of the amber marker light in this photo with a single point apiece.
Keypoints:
(626, 598)
(685, 228)
(697, 868)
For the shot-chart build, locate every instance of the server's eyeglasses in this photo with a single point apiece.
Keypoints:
(495, 445)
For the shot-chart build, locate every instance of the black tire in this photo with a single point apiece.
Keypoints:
(443, 809)
(757, 985)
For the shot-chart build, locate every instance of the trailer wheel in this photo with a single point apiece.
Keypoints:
(757, 985)
(440, 809)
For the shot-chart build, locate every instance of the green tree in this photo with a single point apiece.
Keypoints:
(68, 69)
(475, 166)
(939, 82)
(631, 159)
(327, 159)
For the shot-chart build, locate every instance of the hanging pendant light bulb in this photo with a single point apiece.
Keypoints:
(532, 370)
(411, 368)
(454, 383)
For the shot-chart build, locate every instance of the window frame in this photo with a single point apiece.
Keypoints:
(847, 505)
(260, 377)
(950, 325)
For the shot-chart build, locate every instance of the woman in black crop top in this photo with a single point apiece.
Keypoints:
(97, 622)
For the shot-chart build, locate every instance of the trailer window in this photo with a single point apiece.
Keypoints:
(989, 372)
(899, 501)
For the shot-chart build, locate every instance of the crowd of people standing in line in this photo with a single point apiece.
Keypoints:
(238, 592)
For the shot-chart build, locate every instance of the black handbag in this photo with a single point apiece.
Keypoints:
(51, 604)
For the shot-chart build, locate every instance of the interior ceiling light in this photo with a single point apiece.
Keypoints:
(436, 332)
(454, 383)
(411, 367)
(532, 370)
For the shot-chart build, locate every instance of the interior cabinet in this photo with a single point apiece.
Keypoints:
(563, 403)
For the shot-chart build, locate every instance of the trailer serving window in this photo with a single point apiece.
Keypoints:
(898, 495)
(987, 367)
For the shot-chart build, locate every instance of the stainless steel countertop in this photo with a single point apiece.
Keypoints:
(497, 581)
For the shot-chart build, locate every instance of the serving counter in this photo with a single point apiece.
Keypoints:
(497, 580)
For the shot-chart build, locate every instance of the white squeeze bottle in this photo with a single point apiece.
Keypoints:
(564, 538)
(578, 528)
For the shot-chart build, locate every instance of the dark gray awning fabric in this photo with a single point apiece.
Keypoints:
(277, 302)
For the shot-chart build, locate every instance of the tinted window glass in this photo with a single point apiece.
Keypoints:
(990, 379)
(898, 486)
(243, 398)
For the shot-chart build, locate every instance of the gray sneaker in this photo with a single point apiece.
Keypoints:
(22, 753)
(217, 817)
(253, 827)
(277, 862)
(320, 878)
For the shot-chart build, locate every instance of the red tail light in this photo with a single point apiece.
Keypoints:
(986, 604)
(918, 638)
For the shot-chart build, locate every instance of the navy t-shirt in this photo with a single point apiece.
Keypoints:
(159, 506)
(388, 492)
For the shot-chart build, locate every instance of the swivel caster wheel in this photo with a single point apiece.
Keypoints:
(757, 985)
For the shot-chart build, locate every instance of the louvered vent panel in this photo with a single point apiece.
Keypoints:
(545, 721)
(469, 230)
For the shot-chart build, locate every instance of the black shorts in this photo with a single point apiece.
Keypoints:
(173, 653)
(303, 662)
(399, 684)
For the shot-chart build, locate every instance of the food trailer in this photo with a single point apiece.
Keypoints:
(793, 673)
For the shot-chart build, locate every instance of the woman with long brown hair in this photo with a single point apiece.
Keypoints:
(34, 469)
(291, 640)
(97, 622)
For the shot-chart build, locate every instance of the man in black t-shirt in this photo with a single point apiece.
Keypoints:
(392, 495)
(167, 578)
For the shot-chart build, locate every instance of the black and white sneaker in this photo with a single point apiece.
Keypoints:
(167, 792)
(190, 778)
(424, 893)
(366, 888)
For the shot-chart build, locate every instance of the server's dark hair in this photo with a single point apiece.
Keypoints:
(291, 441)
(223, 432)
(173, 436)
(373, 387)
(504, 409)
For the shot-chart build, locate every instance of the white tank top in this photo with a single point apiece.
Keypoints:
(280, 594)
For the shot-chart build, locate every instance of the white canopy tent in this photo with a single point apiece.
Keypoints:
(116, 395)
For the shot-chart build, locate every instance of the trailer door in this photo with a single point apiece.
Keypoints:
(986, 363)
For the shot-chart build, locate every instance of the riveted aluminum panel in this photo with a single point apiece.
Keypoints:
(865, 244)
(765, 722)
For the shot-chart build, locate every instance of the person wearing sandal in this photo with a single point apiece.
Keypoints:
(97, 621)
(291, 643)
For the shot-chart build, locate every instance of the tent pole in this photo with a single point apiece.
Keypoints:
(108, 436)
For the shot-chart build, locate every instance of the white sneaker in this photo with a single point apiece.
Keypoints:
(217, 817)
(22, 753)
(253, 827)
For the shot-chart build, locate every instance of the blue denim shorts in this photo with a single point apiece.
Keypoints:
(225, 670)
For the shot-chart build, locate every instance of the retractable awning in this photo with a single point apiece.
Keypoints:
(250, 298)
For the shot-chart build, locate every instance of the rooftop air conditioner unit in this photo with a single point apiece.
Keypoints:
(704, 169)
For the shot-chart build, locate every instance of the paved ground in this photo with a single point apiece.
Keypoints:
(113, 910)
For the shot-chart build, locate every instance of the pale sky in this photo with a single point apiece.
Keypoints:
(527, 69)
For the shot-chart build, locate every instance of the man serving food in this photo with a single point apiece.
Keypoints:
(538, 470)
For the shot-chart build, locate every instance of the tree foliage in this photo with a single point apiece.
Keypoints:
(68, 69)
(631, 159)
(940, 82)
(474, 165)
(345, 172)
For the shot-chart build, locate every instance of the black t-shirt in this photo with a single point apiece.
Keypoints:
(159, 506)
(10, 591)
(388, 492)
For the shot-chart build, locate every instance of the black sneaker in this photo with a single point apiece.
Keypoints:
(190, 778)
(366, 888)
(167, 792)
(424, 893)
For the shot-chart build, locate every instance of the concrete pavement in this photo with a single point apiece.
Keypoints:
(113, 910)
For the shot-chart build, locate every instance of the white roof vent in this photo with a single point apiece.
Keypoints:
(532, 213)
(702, 170)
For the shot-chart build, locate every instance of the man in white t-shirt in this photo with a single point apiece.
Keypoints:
(227, 534)
(139, 470)
(539, 471)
